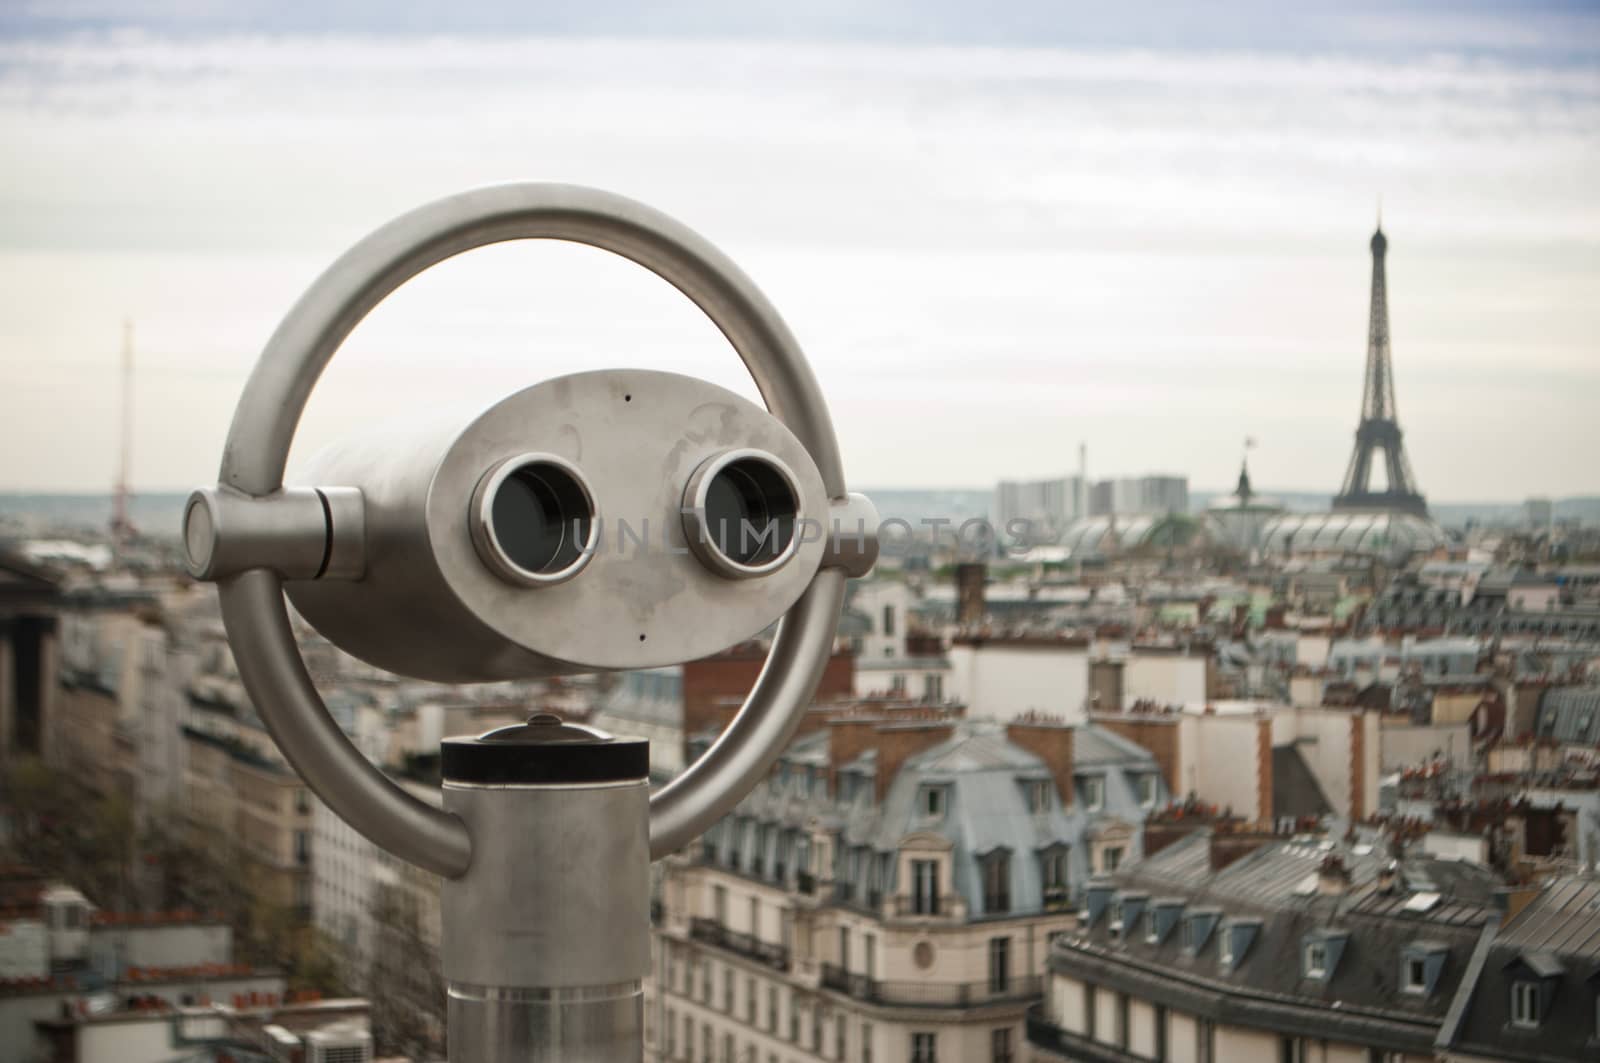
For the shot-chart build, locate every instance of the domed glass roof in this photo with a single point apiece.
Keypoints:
(1377, 534)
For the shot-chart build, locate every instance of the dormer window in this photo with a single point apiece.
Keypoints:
(1147, 790)
(1038, 791)
(1421, 963)
(1197, 930)
(1525, 1005)
(1094, 793)
(932, 801)
(1534, 977)
(997, 882)
(1320, 951)
(1237, 935)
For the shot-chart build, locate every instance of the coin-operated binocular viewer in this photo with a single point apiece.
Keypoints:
(615, 519)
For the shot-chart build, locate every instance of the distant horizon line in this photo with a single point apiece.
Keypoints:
(183, 492)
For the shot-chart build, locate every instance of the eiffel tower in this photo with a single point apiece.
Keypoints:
(1379, 429)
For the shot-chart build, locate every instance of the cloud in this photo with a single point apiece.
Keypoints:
(990, 252)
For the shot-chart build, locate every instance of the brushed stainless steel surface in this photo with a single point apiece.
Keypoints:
(257, 621)
(590, 1024)
(274, 399)
(226, 532)
(558, 890)
(744, 753)
(257, 448)
(430, 607)
(852, 535)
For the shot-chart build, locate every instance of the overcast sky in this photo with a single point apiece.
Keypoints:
(995, 237)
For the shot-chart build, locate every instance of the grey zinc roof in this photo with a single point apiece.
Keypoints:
(986, 809)
(1360, 999)
(1570, 715)
(1556, 938)
(1565, 917)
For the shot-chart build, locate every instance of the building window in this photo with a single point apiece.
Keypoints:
(1094, 793)
(727, 1048)
(933, 801)
(1316, 959)
(750, 1001)
(707, 1045)
(844, 948)
(302, 801)
(1053, 869)
(727, 990)
(1116, 916)
(688, 1037)
(672, 1034)
(705, 982)
(755, 917)
(1161, 1032)
(1416, 975)
(302, 847)
(1225, 950)
(866, 1042)
(719, 905)
(794, 1021)
(1038, 795)
(1291, 1050)
(999, 964)
(1147, 791)
(772, 1009)
(1205, 1041)
(925, 887)
(1525, 1004)
(888, 621)
(869, 951)
(1151, 935)
(924, 1048)
(1110, 859)
(997, 882)
(1000, 1045)
(1088, 1010)
(816, 1030)
(933, 687)
(839, 1037)
(1122, 1021)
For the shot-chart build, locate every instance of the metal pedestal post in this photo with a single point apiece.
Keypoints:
(546, 937)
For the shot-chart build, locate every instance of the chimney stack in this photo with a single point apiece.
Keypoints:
(1051, 742)
(970, 606)
(899, 742)
(1333, 878)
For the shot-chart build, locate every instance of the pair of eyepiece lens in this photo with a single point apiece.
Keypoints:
(534, 521)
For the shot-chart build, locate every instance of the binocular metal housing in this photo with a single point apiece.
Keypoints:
(616, 519)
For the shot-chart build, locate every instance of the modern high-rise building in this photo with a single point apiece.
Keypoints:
(1153, 495)
(1047, 506)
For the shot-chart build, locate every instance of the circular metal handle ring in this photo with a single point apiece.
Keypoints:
(269, 411)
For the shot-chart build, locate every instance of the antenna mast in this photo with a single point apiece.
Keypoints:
(121, 525)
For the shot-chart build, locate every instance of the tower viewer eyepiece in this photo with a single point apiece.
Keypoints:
(533, 520)
(741, 511)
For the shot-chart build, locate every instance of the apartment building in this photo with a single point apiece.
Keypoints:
(1299, 950)
(889, 894)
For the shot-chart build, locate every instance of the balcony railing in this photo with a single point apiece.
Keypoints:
(806, 882)
(926, 994)
(747, 945)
